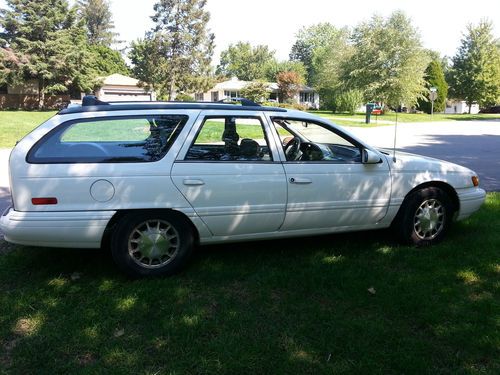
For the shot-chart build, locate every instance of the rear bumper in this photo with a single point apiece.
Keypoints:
(80, 229)
(470, 201)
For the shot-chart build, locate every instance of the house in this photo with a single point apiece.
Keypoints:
(232, 89)
(118, 87)
(460, 106)
(115, 87)
(26, 96)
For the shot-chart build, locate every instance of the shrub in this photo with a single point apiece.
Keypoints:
(184, 98)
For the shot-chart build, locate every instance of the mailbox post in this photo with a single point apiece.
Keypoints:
(369, 109)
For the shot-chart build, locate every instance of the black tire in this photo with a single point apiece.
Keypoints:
(425, 217)
(152, 243)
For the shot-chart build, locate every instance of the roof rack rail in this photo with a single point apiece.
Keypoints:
(90, 103)
(91, 100)
(243, 101)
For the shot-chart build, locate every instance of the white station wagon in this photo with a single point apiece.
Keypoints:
(152, 180)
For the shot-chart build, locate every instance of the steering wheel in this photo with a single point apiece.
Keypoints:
(292, 149)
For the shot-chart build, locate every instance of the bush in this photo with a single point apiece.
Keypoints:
(256, 91)
(184, 98)
(347, 101)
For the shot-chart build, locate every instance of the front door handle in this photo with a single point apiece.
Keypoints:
(303, 181)
(193, 182)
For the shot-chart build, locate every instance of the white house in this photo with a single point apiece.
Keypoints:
(118, 87)
(232, 89)
(460, 106)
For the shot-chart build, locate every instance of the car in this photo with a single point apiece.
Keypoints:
(151, 181)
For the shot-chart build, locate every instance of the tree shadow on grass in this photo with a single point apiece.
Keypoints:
(285, 306)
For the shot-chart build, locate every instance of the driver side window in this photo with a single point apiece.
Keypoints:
(306, 141)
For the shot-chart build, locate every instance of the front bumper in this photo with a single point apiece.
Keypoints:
(78, 229)
(470, 201)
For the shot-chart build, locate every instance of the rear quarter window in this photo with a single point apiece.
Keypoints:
(109, 140)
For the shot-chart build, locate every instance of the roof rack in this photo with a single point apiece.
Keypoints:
(91, 103)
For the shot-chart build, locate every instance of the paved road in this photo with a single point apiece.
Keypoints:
(474, 144)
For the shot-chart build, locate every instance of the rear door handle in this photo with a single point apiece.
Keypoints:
(193, 182)
(303, 181)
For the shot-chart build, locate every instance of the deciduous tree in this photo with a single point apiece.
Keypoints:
(289, 84)
(475, 73)
(388, 62)
(245, 62)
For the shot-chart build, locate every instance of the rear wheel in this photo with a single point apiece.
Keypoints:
(425, 217)
(151, 243)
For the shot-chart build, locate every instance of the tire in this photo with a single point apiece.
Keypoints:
(154, 243)
(425, 217)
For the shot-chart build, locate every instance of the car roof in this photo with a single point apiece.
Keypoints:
(92, 104)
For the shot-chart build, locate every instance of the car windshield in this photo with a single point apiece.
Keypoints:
(309, 132)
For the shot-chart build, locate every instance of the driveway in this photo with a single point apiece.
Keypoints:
(474, 144)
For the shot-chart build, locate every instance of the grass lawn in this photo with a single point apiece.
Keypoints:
(358, 119)
(16, 124)
(300, 306)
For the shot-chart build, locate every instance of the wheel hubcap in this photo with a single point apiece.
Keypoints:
(429, 219)
(153, 243)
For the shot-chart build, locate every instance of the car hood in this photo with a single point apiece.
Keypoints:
(417, 163)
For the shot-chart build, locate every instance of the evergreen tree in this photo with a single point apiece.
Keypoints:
(475, 74)
(107, 61)
(99, 22)
(434, 77)
(388, 62)
(245, 62)
(46, 43)
(175, 55)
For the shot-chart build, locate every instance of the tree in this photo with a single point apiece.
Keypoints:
(99, 22)
(47, 43)
(324, 51)
(273, 68)
(257, 91)
(289, 84)
(388, 62)
(245, 62)
(434, 77)
(175, 55)
(107, 61)
(321, 48)
(475, 73)
(347, 101)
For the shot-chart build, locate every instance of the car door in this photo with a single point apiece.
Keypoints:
(231, 174)
(328, 185)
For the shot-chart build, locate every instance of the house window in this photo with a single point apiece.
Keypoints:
(307, 97)
(3, 89)
(232, 94)
(198, 97)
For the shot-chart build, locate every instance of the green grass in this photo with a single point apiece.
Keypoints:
(14, 125)
(358, 119)
(298, 306)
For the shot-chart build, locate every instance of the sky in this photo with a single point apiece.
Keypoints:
(275, 22)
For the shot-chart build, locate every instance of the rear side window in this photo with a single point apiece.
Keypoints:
(109, 140)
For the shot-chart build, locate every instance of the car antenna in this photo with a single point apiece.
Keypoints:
(395, 136)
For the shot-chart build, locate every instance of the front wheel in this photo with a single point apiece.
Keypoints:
(151, 243)
(425, 217)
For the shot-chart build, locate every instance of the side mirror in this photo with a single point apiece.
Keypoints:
(370, 157)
